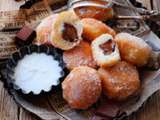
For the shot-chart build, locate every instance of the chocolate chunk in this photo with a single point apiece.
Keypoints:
(25, 36)
(108, 47)
(108, 109)
(69, 33)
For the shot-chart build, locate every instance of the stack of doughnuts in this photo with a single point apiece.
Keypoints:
(99, 59)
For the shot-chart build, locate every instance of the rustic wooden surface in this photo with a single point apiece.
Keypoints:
(10, 111)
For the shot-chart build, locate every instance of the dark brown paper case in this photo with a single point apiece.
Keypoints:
(14, 59)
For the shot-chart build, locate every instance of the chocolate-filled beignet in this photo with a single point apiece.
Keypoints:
(67, 31)
(105, 51)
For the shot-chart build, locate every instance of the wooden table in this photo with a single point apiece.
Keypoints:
(10, 111)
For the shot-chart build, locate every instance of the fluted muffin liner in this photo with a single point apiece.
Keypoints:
(27, 50)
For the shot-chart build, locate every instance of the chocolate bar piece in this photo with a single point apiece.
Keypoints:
(25, 36)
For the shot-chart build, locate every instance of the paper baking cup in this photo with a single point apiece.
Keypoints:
(13, 61)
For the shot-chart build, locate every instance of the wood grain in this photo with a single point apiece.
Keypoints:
(8, 108)
(7, 5)
(150, 110)
(156, 5)
(151, 4)
(146, 3)
(25, 115)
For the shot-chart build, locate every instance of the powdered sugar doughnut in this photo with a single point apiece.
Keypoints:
(44, 30)
(82, 87)
(120, 81)
(93, 28)
(133, 49)
(81, 55)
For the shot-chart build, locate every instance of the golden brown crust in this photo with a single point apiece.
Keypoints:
(120, 81)
(94, 12)
(82, 87)
(44, 30)
(93, 28)
(133, 49)
(58, 39)
(81, 55)
(105, 51)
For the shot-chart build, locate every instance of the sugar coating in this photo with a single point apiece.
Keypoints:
(104, 60)
(36, 72)
(71, 18)
(80, 55)
(44, 29)
(82, 87)
(133, 39)
(133, 49)
(120, 81)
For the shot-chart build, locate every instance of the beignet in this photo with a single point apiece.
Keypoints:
(93, 28)
(81, 55)
(67, 30)
(82, 87)
(120, 81)
(105, 51)
(133, 49)
(44, 30)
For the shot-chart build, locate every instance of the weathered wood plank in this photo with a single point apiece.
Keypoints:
(156, 5)
(25, 115)
(7, 5)
(8, 108)
(146, 3)
(150, 110)
(151, 4)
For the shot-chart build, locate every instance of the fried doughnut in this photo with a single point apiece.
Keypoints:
(44, 30)
(67, 30)
(105, 51)
(133, 49)
(88, 9)
(93, 28)
(80, 55)
(120, 81)
(82, 87)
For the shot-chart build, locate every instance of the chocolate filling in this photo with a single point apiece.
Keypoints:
(69, 33)
(108, 47)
